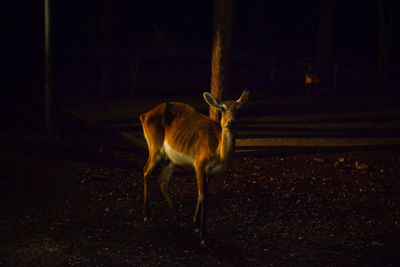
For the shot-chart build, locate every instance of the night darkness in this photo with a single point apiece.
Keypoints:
(314, 179)
(261, 31)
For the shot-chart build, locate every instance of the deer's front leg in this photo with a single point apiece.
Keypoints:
(196, 216)
(201, 203)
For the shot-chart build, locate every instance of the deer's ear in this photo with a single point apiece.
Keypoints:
(212, 101)
(244, 97)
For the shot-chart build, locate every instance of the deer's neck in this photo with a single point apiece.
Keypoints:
(227, 145)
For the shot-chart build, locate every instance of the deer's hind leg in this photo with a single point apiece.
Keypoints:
(153, 162)
(163, 179)
(155, 139)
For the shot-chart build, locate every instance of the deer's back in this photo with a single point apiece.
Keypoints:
(185, 130)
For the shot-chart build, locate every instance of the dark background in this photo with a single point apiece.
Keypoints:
(78, 199)
(261, 30)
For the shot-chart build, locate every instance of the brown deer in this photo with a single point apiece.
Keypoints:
(177, 134)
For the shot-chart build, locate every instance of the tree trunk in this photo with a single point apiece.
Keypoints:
(51, 110)
(259, 20)
(221, 50)
(108, 70)
(325, 30)
(386, 17)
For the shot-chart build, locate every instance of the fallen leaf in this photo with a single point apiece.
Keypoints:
(376, 243)
(318, 160)
(360, 166)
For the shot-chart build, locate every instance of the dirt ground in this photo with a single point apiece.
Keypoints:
(79, 202)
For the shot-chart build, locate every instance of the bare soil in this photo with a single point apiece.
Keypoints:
(79, 202)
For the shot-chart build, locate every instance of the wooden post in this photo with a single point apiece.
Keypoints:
(108, 70)
(221, 50)
(325, 30)
(272, 74)
(386, 18)
(50, 103)
(335, 69)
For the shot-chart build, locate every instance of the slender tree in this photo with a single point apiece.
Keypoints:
(325, 30)
(108, 70)
(385, 24)
(51, 110)
(221, 50)
(260, 7)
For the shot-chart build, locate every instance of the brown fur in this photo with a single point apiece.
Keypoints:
(191, 137)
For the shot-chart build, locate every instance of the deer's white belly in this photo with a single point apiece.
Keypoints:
(177, 157)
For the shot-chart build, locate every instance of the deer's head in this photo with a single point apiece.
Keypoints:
(229, 109)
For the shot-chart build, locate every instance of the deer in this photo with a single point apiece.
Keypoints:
(178, 135)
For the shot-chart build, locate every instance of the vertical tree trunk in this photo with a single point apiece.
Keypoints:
(325, 30)
(385, 16)
(108, 71)
(259, 20)
(51, 110)
(221, 50)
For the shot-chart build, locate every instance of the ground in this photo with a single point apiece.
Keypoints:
(79, 202)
